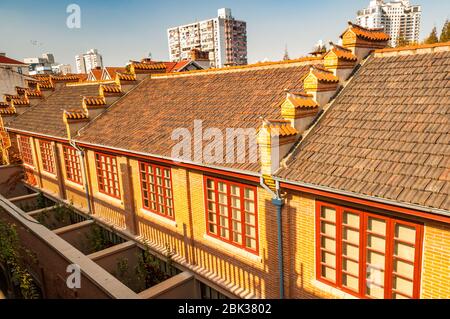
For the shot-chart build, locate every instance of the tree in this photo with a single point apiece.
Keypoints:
(402, 42)
(432, 38)
(445, 35)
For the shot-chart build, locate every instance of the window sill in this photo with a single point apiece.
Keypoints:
(332, 290)
(50, 175)
(109, 199)
(159, 218)
(232, 249)
(74, 185)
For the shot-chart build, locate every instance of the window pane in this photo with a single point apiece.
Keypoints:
(329, 273)
(404, 268)
(404, 251)
(235, 190)
(328, 244)
(329, 259)
(351, 219)
(351, 236)
(350, 282)
(350, 251)
(403, 286)
(329, 214)
(405, 233)
(377, 226)
(351, 267)
(376, 242)
(329, 229)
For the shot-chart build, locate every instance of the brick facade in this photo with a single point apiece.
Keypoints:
(234, 270)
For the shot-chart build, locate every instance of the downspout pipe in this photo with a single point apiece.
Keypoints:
(279, 203)
(83, 167)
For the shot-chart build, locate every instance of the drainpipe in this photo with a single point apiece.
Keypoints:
(81, 153)
(279, 203)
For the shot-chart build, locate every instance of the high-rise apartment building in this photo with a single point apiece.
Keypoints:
(399, 19)
(88, 61)
(224, 38)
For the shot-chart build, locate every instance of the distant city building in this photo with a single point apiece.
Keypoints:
(88, 61)
(40, 65)
(62, 69)
(224, 38)
(399, 18)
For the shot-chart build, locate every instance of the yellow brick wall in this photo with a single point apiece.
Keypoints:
(106, 207)
(230, 267)
(300, 247)
(436, 261)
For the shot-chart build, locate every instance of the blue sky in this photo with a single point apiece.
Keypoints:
(130, 29)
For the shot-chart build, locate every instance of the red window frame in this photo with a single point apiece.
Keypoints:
(72, 165)
(107, 174)
(156, 189)
(244, 225)
(47, 156)
(389, 253)
(25, 150)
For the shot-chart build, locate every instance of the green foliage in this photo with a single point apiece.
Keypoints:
(402, 42)
(122, 272)
(433, 37)
(10, 255)
(98, 238)
(445, 34)
(148, 269)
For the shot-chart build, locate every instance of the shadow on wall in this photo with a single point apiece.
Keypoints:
(10, 181)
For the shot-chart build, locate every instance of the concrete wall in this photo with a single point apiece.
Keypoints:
(53, 255)
(9, 80)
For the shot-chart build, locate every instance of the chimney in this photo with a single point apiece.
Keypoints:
(321, 84)
(299, 109)
(340, 61)
(143, 70)
(75, 120)
(362, 41)
(275, 138)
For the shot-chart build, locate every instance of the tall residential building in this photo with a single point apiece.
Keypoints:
(224, 38)
(399, 19)
(88, 61)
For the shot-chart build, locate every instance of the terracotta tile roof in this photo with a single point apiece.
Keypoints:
(149, 66)
(34, 93)
(94, 100)
(4, 104)
(46, 116)
(95, 74)
(324, 75)
(281, 128)
(112, 71)
(143, 120)
(343, 53)
(111, 89)
(368, 34)
(387, 134)
(6, 60)
(414, 47)
(302, 101)
(126, 76)
(9, 97)
(8, 110)
(21, 101)
(76, 115)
